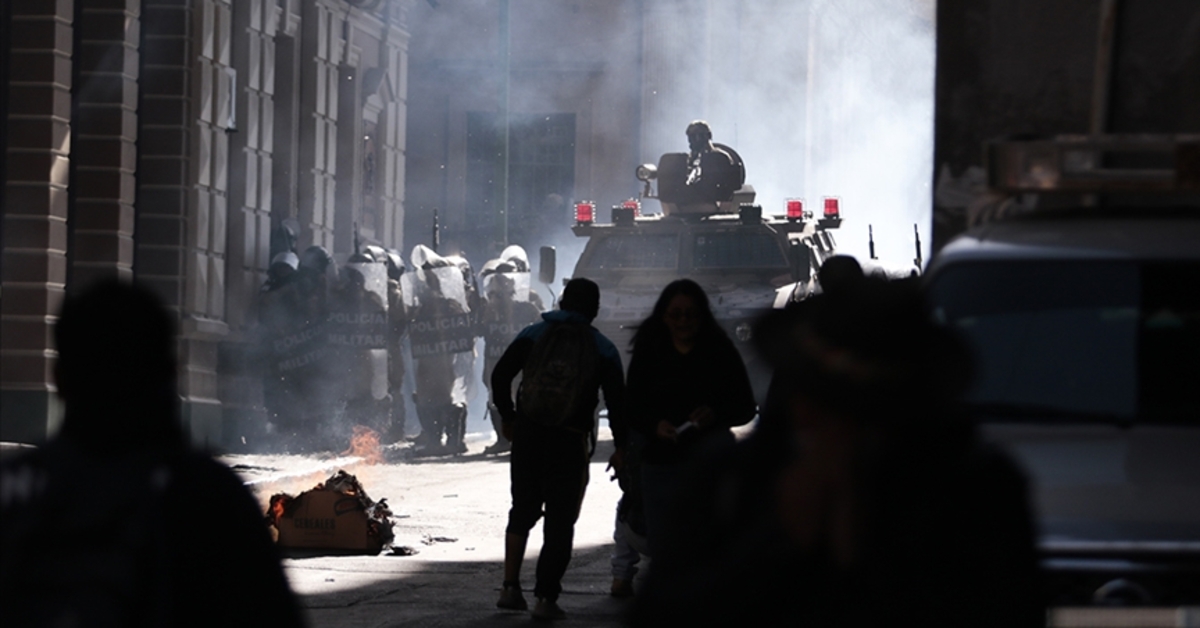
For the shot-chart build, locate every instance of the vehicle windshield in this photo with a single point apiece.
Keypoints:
(1079, 340)
(635, 251)
(737, 250)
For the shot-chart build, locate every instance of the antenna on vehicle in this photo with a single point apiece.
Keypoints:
(917, 238)
(871, 240)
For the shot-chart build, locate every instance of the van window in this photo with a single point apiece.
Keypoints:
(1116, 339)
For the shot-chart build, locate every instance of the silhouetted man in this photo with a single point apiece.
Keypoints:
(117, 521)
(551, 441)
(712, 175)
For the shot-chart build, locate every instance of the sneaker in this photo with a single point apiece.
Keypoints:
(621, 588)
(511, 598)
(548, 610)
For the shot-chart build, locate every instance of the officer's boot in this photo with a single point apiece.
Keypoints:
(458, 425)
(396, 427)
(427, 414)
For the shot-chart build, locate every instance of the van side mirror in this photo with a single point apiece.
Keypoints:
(547, 267)
(799, 258)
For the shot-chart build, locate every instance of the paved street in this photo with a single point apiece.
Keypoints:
(453, 512)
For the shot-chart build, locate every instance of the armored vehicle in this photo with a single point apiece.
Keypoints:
(746, 260)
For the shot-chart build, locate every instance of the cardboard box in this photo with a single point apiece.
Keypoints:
(328, 520)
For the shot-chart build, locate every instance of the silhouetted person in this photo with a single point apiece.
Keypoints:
(687, 387)
(839, 272)
(117, 521)
(869, 500)
(712, 175)
(564, 362)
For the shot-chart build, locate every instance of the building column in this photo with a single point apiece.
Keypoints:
(104, 141)
(183, 179)
(34, 270)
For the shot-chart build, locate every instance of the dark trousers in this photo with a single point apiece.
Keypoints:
(549, 472)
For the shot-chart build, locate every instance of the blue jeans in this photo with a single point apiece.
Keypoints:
(625, 554)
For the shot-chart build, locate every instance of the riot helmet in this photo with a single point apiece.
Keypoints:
(375, 252)
(515, 255)
(282, 267)
(361, 258)
(395, 265)
(315, 259)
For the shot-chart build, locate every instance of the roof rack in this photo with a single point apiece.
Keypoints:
(1095, 163)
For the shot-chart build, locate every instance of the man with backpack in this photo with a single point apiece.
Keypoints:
(564, 362)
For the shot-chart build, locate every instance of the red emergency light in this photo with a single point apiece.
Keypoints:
(633, 204)
(832, 209)
(795, 209)
(585, 212)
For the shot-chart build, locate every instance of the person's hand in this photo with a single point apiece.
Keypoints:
(666, 431)
(703, 417)
(615, 462)
(506, 429)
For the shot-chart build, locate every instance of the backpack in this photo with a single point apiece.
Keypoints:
(559, 375)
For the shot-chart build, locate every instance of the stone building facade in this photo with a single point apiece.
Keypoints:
(162, 141)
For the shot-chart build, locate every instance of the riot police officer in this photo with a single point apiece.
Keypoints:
(440, 327)
(304, 352)
(507, 309)
(277, 301)
(357, 334)
(397, 327)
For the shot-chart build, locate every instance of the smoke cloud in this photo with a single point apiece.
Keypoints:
(820, 98)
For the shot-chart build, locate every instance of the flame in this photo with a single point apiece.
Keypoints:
(364, 443)
(275, 511)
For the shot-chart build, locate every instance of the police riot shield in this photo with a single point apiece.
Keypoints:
(357, 329)
(441, 317)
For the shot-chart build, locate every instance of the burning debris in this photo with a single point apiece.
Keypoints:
(336, 514)
(364, 443)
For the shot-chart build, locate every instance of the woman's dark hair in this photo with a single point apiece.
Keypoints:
(653, 330)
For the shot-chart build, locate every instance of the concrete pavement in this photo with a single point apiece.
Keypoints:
(452, 511)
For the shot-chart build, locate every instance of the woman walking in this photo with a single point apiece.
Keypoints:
(687, 386)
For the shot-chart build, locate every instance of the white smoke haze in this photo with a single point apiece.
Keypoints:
(819, 98)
